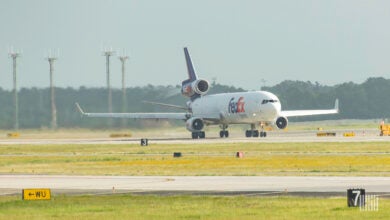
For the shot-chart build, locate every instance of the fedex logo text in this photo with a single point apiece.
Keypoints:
(236, 107)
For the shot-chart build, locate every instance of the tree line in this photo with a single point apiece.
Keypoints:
(367, 100)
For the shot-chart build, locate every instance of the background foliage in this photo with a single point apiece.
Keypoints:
(367, 100)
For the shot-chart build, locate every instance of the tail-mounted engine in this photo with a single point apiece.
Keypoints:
(198, 87)
(281, 122)
(194, 124)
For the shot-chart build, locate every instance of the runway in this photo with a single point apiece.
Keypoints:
(176, 184)
(273, 137)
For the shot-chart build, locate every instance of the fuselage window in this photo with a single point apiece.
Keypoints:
(265, 101)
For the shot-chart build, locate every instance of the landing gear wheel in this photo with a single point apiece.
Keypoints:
(199, 134)
(255, 133)
(248, 133)
(263, 134)
(224, 134)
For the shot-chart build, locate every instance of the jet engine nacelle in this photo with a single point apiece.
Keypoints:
(200, 87)
(194, 124)
(281, 122)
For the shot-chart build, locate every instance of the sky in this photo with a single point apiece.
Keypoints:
(246, 43)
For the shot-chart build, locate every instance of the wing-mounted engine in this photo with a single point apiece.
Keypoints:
(194, 124)
(281, 122)
(198, 87)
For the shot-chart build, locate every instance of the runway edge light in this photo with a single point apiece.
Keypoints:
(36, 194)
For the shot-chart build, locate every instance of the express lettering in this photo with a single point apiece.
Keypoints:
(236, 107)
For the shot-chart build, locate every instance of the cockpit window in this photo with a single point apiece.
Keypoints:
(265, 101)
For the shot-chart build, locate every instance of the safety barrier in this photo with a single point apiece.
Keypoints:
(325, 134)
(13, 135)
(349, 134)
(118, 135)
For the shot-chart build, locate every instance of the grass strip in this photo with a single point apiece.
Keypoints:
(185, 207)
(338, 159)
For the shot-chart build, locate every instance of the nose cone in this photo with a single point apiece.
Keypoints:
(271, 110)
(274, 109)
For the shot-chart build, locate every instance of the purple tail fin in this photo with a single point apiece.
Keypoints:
(193, 87)
(190, 68)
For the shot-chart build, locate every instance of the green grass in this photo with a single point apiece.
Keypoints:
(185, 207)
(352, 159)
(256, 147)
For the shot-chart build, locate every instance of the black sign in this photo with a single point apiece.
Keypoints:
(144, 142)
(356, 197)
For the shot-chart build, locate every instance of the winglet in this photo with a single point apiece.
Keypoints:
(190, 68)
(336, 105)
(79, 108)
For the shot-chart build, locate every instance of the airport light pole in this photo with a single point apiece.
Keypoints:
(124, 98)
(263, 81)
(51, 60)
(108, 53)
(14, 56)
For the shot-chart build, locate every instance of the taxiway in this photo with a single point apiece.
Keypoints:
(273, 137)
(172, 184)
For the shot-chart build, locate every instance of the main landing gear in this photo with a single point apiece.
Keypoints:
(198, 134)
(255, 133)
(224, 132)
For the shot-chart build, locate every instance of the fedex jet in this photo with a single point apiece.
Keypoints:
(257, 109)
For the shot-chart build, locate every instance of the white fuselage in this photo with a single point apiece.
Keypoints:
(236, 108)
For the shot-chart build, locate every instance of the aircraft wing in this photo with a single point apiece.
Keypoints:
(179, 116)
(166, 105)
(294, 113)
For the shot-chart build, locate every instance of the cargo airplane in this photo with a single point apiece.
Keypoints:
(255, 108)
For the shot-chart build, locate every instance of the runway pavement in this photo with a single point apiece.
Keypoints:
(273, 137)
(172, 184)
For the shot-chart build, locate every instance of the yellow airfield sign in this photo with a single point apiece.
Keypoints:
(36, 194)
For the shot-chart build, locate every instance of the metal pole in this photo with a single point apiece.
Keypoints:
(16, 101)
(108, 83)
(108, 53)
(14, 56)
(124, 97)
(53, 104)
